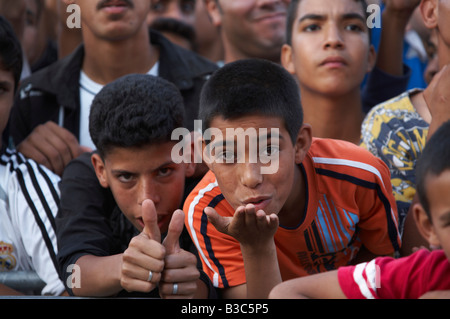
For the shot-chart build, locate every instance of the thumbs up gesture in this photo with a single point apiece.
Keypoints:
(143, 261)
(180, 274)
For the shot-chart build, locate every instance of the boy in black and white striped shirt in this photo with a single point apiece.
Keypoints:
(29, 193)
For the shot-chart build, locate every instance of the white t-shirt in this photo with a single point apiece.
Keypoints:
(88, 90)
(29, 197)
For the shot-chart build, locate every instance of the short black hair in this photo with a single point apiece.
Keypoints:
(292, 16)
(435, 159)
(134, 111)
(252, 87)
(10, 51)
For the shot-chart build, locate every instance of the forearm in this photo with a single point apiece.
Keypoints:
(100, 276)
(261, 270)
(319, 286)
(390, 53)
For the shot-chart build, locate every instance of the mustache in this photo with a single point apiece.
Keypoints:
(103, 3)
(174, 26)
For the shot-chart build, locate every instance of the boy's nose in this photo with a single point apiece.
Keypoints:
(251, 175)
(148, 190)
(333, 38)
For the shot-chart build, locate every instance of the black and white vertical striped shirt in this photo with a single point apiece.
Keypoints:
(29, 199)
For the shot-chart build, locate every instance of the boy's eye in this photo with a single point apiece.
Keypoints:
(354, 27)
(270, 151)
(226, 157)
(4, 89)
(188, 6)
(125, 177)
(158, 6)
(165, 171)
(311, 28)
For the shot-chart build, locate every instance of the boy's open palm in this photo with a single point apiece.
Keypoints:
(248, 226)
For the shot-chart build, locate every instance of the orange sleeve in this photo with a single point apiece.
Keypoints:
(220, 254)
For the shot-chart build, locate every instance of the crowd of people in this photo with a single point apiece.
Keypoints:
(94, 202)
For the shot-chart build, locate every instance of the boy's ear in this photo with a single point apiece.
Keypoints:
(424, 225)
(214, 12)
(286, 58)
(372, 58)
(303, 143)
(100, 171)
(429, 11)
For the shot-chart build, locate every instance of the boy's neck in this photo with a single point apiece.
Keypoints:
(106, 61)
(334, 117)
(293, 210)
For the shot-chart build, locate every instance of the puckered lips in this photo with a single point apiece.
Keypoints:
(260, 202)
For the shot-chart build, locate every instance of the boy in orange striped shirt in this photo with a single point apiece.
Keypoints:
(327, 204)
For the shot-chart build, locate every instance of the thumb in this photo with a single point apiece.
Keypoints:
(219, 222)
(150, 219)
(176, 226)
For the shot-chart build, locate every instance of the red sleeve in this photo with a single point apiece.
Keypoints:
(404, 278)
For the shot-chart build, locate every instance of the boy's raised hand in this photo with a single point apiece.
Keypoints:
(143, 261)
(248, 226)
(180, 275)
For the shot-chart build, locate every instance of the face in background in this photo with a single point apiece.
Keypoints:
(330, 52)
(251, 28)
(112, 20)
(6, 97)
(437, 230)
(138, 173)
(242, 182)
(175, 19)
(431, 46)
(436, 15)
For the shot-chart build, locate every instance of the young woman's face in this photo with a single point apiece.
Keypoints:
(330, 51)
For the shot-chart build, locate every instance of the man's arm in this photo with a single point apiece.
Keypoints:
(396, 16)
(319, 286)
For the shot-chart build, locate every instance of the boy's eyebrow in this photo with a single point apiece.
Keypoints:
(345, 16)
(312, 16)
(354, 15)
(122, 171)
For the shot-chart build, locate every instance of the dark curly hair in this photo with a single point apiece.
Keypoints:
(252, 87)
(134, 111)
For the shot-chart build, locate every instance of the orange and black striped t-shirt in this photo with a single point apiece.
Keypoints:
(349, 204)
